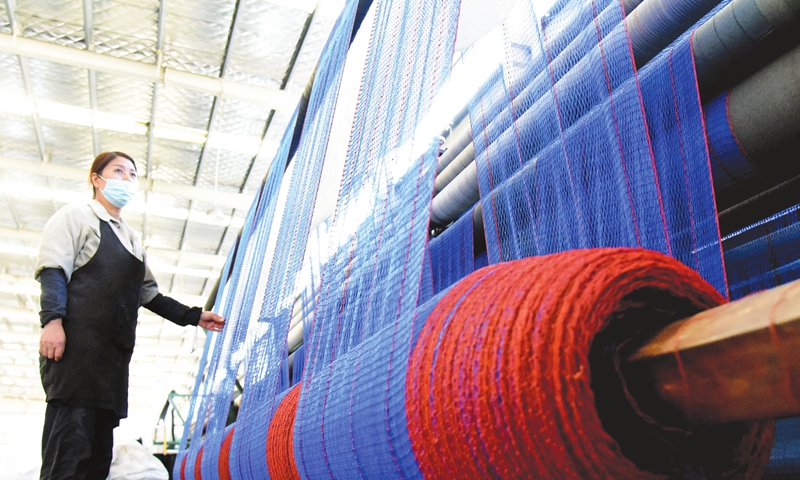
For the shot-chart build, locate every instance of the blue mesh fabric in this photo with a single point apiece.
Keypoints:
(452, 253)
(199, 386)
(764, 255)
(348, 419)
(785, 460)
(210, 409)
(230, 347)
(242, 288)
(426, 282)
(267, 370)
(596, 155)
(197, 392)
(574, 149)
(267, 364)
(675, 124)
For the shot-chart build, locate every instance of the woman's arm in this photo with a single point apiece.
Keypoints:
(180, 314)
(175, 311)
(62, 239)
(53, 301)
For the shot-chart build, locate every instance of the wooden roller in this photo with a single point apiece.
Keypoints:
(739, 361)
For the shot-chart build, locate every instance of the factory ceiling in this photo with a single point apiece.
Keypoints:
(199, 92)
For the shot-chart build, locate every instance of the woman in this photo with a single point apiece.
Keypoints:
(94, 277)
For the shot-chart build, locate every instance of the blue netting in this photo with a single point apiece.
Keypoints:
(452, 253)
(764, 255)
(573, 148)
(349, 421)
(267, 370)
(785, 460)
(426, 282)
(675, 122)
(761, 256)
(596, 156)
(209, 411)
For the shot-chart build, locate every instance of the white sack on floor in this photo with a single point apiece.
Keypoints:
(132, 461)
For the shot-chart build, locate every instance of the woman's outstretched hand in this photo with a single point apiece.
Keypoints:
(211, 321)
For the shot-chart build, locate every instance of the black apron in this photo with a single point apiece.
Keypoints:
(102, 307)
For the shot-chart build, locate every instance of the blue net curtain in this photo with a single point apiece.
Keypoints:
(350, 419)
(574, 148)
(268, 365)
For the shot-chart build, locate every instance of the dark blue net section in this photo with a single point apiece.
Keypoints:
(764, 255)
(675, 122)
(785, 460)
(452, 253)
(426, 282)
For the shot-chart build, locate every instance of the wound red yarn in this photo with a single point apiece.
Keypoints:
(280, 438)
(499, 383)
(183, 466)
(223, 467)
(198, 474)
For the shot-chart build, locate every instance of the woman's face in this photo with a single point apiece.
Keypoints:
(120, 168)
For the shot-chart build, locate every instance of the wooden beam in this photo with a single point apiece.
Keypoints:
(739, 361)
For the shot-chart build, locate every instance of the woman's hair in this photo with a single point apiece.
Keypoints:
(100, 163)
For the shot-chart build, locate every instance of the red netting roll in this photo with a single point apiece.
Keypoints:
(280, 438)
(198, 474)
(183, 466)
(516, 375)
(223, 467)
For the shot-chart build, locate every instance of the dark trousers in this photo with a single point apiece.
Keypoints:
(77, 442)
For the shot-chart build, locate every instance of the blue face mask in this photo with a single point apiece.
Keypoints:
(119, 192)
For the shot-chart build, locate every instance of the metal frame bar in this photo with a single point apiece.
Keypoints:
(212, 120)
(88, 22)
(17, 222)
(153, 109)
(37, 124)
(12, 19)
(229, 199)
(271, 97)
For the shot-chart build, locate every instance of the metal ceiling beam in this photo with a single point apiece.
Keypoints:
(215, 112)
(18, 223)
(12, 19)
(37, 124)
(271, 97)
(214, 261)
(89, 45)
(154, 108)
(22, 235)
(227, 199)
